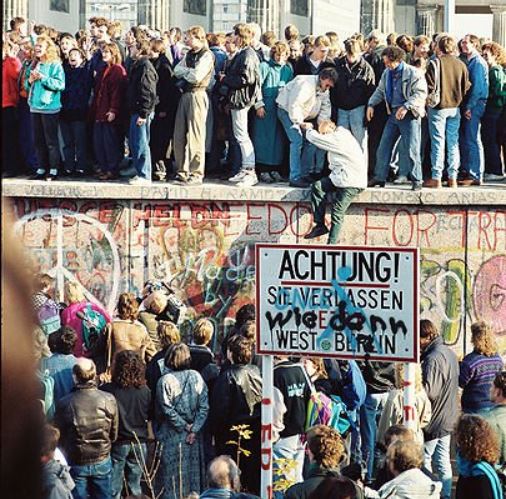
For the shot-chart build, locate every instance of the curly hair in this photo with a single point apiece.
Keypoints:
(128, 307)
(51, 54)
(497, 51)
(326, 445)
(63, 341)
(500, 382)
(476, 439)
(483, 339)
(128, 369)
(241, 349)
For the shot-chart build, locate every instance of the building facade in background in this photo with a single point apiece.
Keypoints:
(311, 16)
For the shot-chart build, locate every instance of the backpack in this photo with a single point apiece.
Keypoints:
(49, 317)
(434, 97)
(347, 382)
(47, 382)
(93, 324)
(329, 411)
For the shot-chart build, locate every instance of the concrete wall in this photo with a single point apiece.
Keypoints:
(206, 245)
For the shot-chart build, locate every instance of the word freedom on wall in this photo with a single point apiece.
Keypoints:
(329, 301)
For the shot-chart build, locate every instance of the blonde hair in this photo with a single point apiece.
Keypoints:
(203, 332)
(483, 339)
(73, 292)
(197, 32)
(51, 54)
(168, 333)
(405, 455)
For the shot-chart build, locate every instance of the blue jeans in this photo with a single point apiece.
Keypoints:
(302, 154)
(92, 480)
(75, 144)
(409, 129)
(289, 448)
(444, 132)
(139, 146)
(108, 146)
(438, 450)
(369, 415)
(127, 459)
(353, 120)
(490, 122)
(355, 451)
(471, 148)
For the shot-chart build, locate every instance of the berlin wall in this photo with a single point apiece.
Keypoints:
(205, 246)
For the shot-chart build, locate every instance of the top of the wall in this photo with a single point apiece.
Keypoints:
(487, 195)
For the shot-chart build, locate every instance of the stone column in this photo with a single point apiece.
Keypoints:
(499, 24)
(426, 17)
(377, 14)
(14, 8)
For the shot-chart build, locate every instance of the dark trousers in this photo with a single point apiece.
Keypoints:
(75, 145)
(108, 146)
(162, 131)
(45, 132)
(341, 200)
(25, 137)
(489, 136)
(374, 133)
(10, 162)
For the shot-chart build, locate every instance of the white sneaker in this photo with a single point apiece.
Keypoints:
(493, 176)
(139, 181)
(249, 180)
(238, 176)
(401, 179)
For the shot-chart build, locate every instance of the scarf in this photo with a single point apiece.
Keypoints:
(472, 469)
(389, 90)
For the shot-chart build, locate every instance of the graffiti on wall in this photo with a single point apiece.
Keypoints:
(206, 251)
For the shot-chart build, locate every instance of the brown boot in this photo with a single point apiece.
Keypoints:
(452, 183)
(432, 183)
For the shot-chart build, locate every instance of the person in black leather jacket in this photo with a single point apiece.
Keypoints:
(242, 81)
(88, 421)
(236, 400)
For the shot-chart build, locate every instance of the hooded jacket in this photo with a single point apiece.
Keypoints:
(411, 484)
(56, 481)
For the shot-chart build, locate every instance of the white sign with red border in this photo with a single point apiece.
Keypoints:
(338, 301)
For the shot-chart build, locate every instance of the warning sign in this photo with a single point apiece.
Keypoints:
(330, 301)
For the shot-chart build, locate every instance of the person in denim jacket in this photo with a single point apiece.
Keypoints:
(471, 148)
(45, 81)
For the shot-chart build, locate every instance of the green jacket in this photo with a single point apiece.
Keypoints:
(497, 87)
(44, 95)
(497, 419)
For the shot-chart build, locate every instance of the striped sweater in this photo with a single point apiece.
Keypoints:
(477, 372)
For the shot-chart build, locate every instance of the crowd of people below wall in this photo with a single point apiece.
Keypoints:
(132, 407)
(168, 106)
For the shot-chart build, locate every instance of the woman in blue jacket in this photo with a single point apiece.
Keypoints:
(44, 83)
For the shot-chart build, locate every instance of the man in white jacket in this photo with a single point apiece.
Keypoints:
(348, 177)
(304, 99)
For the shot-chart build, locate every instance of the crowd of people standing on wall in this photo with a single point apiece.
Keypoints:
(134, 406)
(172, 106)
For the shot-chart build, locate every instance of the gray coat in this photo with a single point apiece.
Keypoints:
(414, 90)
